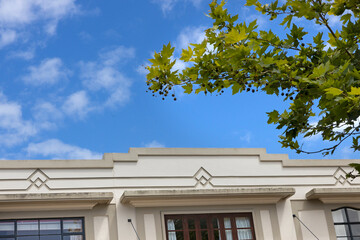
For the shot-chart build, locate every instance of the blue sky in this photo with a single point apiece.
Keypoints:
(73, 83)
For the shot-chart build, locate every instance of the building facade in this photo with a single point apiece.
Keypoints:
(175, 194)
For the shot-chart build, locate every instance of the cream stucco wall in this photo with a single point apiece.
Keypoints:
(201, 170)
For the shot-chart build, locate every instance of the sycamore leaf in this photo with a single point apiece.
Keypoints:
(250, 2)
(273, 117)
(333, 91)
(354, 91)
(234, 36)
(187, 88)
(186, 54)
(235, 88)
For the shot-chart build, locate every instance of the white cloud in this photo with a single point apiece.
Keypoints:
(141, 69)
(334, 21)
(17, 15)
(190, 35)
(46, 115)
(154, 144)
(165, 5)
(13, 128)
(56, 149)
(168, 5)
(26, 54)
(77, 104)
(116, 55)
(48, 72)
(104, 75)
(7, 37)
(246, 137)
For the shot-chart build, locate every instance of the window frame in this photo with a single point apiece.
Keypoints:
(15, 235)
(347, 222)
(210, 228)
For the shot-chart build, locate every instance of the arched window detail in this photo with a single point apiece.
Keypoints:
(347, 223)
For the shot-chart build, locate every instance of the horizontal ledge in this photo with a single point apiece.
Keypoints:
(335, 195)
(56, 163)
(196, 197)
(53, 201)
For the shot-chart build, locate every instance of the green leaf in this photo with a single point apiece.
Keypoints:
(333, 91)
(345, 18)
(250, 2)
(273, 117)
(235, 88)
(234, 36)
(187, 88)
(354, 91)
(186, 55)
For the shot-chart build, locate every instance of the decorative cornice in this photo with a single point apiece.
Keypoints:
(133, 155)
(196, 197)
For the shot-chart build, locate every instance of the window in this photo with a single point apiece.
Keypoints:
(347, 223)
(42, 229)
(226, 226)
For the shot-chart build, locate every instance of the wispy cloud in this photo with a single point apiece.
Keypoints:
(13, 128)
(48, 72)
(18, 13)
(7, 37)
(154, 144)
(56, 149)
(23, 54)
(46, 115)
(104, 75)
(190, 35)
(168, 5)
(77, 104)
(246, 137)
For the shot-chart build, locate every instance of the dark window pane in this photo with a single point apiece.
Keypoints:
(217, 235)
(342, 230)
(28, 238)
(215, 223)
(203, 224)
(7, 238)
(28, 227)
(204, 235)
(178, 224)
(179, 236)
(73, 237)
(7, 228)
(354, 215)
(339, 216)
(50, 226)
(191, 223)
(355, 229)
(73, 225)
(50, 237)
(192, 235)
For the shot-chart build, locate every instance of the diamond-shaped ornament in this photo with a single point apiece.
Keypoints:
(38, 182)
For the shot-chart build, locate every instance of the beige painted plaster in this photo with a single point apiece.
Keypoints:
(134, 153)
